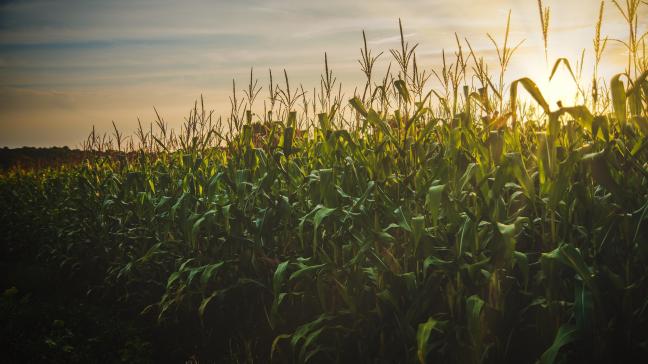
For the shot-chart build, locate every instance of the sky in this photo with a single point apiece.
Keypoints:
(67, 65)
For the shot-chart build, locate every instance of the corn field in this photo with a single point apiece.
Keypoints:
(468, 223)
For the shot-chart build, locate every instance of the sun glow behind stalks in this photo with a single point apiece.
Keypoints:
(571, 83)
(560, 88)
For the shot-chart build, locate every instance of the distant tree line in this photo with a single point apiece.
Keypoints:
(32, 157)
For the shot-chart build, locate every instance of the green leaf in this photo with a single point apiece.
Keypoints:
(468, 174)
(275, 344)
(179, 205)
(378, 122)
(418, 227)
(581, 114)
(433, 201)
(279, 277)
(583, 308)
(303, 331)
(277, 281)
(566, 334)
(564, 61)
(209, 271)
(533, 90)
(327, 187)
(600, 128)
(433, 261)
(474, 306)
(402, 90)
(320, 215)
(196, 229)
(204, 303)
(298, 273)
(495, 144)
(571, 257)
(422, 338)
(292, 120)
(288, 140)
(402, 220)
(617, 89)
(508, 232)
(601, 172)
(325, 123)
(172, 279)
(522, 261)
(358, 106)
(516, 165)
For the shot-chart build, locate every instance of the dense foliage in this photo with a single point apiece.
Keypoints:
(471, 231)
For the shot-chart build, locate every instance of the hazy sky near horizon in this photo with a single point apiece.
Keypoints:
(68, 65)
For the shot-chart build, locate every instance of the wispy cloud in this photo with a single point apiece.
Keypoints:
(388, 40)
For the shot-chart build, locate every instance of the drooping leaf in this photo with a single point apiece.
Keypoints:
(474, 306)
(358, 106)
(401, 87)
(418, 228)
(532, 89)
(566, 334)
(423, 337)
(433, 201)
(618, 92)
